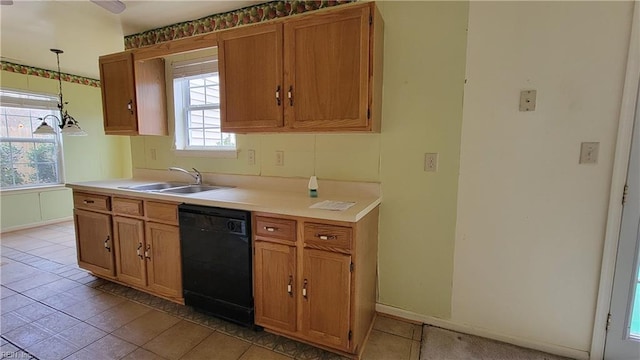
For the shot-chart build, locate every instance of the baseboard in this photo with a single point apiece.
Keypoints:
(471, 330)
(34, 225)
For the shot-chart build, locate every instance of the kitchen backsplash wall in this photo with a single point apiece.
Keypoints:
(353, 157)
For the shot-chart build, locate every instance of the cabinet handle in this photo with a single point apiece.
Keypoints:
(146, 252)
(106, 243)
(138, 250)
(88, 202)
(130, 107)
(326, 237)
(278, 95)
(290, 286)
(270, 228)
(290, 95)
(304, 289)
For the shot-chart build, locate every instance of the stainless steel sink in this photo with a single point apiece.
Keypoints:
(174, 188)
(156, 186)
(190, 189)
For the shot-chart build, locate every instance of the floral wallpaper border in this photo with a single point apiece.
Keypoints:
(249, 15)
(49, 74)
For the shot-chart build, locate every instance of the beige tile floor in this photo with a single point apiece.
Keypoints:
(51, 309)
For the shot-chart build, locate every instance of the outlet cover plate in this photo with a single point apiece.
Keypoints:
(528, 100)
(589, 152)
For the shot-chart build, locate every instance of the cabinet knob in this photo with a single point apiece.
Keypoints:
(130, 107)
(138, 250)
(326, 237)
(271, 228)
(278, 95)
(290, 286)
(86, 202)
(290, 95)
(147, 251)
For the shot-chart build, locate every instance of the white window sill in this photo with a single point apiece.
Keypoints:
(31, 189)
(219, 154)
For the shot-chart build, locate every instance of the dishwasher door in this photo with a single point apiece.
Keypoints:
(216, 261)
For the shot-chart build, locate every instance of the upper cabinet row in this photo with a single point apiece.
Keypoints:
(318, 72)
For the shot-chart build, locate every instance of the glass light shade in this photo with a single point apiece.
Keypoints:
(71, 128)
(44, 129)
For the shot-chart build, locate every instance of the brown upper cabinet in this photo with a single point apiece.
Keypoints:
(315, 72)
(133, 95)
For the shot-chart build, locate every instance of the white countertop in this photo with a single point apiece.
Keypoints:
(295, 203)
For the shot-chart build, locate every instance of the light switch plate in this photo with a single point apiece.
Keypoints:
(431, 162)
(589, 152)
(279, 158)
(251, 157)
(528, 100)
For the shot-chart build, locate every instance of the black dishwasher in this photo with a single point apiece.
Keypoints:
(216, 261)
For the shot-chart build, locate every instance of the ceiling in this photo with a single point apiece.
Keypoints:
(84, 31)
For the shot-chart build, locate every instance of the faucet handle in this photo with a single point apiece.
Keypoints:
(198, 176)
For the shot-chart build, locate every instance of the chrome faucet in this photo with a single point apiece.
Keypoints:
(197, 176)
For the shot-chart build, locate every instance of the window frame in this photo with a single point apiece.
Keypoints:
(33, 101)
(180, 86)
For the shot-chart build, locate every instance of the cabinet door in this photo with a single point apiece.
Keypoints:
(118, 93)
(128, 235)
(326, 300)
(274, 285)
(250, 65)
(94, 242)
(162, 252)
(327, 69)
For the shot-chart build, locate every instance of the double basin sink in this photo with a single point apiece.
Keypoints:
(174, 188)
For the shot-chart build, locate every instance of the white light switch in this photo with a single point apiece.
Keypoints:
(589, 152)
(527, 100)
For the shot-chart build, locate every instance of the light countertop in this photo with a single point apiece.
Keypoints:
(294, 203)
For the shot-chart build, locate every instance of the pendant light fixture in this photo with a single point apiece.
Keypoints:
(67, 124)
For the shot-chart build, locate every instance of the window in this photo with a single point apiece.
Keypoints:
(197, 107)
(27, 159)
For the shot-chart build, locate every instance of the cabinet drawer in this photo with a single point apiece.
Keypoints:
(162, 212)
(122, 206)
(91, 201)
(328, 235)
(282, 229)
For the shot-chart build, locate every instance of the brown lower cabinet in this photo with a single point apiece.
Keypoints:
(314, 280)
(132, 241)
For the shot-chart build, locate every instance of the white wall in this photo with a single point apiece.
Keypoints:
(531, 220)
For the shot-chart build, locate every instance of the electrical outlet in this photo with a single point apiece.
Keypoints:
(527, 100)
(431, 162)
(251, 155)
(589, 152)
(279, 158)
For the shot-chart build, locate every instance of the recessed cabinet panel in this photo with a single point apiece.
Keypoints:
(275, 287)
(327, 58)
(129, 247)
(162, 254)
(94, 242)
(251, 77)
(326, 297)
(118, 93)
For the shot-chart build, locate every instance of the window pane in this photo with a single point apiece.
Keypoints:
(42, 160)
(196, 96)
(196, 119)
(211, 117)
(196, 138)
(26, 162)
